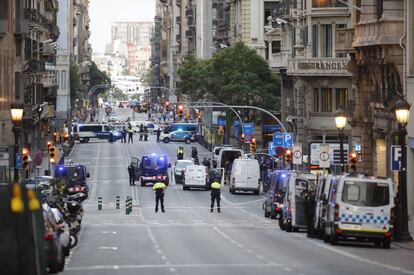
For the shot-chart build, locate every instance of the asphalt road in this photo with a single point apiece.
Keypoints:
(188, 239)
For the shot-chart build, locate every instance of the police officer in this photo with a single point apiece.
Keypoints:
(130, 134)
(215, 194)
(131, 172)
(158, 132)
(124, 134)
(159, 189)
(180, 153)
(310, 204)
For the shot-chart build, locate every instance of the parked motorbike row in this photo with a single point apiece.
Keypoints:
(62, 215)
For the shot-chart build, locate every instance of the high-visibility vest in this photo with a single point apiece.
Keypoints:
(215, 185)
(159, 185)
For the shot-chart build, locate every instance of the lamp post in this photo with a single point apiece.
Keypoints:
(340, 121)
(402, 112)
(16, 109)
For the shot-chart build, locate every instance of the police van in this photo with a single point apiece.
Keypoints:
(153, 169)
(294, 202)
(359, 208)
(322, 193)
(85, 132)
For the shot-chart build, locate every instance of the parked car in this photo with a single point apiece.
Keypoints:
(151, 126)
(185, 136)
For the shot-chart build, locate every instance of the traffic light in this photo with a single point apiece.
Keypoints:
(243, 137)
(53, 155)
(253, 145)
(180, 110)
(26, 158)
(288, 156)
(353, 159)
(220, 131)
(167, 105)
(48, 144)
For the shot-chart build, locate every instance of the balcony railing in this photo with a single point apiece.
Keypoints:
(318, 66)
(189, 13)
(178, 20)
(344, 38)
(278, 60)
(48, 80)
(189, 33)
(35, 66)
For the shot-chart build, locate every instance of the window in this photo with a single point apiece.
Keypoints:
(380, 8)
(276, 47)
(63, 79)
(341, 27)
(305, 35)
(58, 79)
(360, 193)
(327, 4)
(341, 98)
(293, 43)
(327, 40)
(326, 100)
(315, 42)
(316, 104)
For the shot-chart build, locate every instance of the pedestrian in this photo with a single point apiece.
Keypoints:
(208, 163)
(159, 189)
(215, 194)
(141, 132)
(131, 172)
(310, 204)
(204, 161)
(124, 134)
(149, 115)
(263, 170)
(164, 117)
(180, 152)
(130, 134)
(145, 133)
(158, 132)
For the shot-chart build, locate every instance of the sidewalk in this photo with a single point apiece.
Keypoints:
(404, 245)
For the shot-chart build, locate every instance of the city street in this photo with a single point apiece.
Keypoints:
(188, 239)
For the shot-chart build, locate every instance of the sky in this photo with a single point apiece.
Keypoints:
(103, 12)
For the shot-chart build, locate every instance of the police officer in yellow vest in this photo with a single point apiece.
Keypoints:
(159, 189)
(215, 194)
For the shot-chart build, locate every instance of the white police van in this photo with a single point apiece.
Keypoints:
(85, 132)
(359, 208)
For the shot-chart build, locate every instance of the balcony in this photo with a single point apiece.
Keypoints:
(189, 13)
(384, 32)
(3, 27)
(318, 67)
(48, 80)
(344, 38)
(34, 66)
(278, 60)
(189, 34)
(178, 3)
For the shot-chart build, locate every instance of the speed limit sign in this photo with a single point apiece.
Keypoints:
(324, 156)
(297, 154)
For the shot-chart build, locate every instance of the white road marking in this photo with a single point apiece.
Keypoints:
(116, 267)
(288, 269)
(108, 247)
(361, 259)
(108, 232)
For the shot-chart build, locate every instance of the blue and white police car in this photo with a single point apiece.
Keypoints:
(185, 136)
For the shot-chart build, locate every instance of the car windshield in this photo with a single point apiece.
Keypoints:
(73, 174)
(154, 163)
(360, 193)
(183, 164)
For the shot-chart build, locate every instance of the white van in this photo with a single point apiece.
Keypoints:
(228, 154)
(85, 132)
(294, 208)
(359, 208)
(196, 176)
(245, 176)
(217, 149)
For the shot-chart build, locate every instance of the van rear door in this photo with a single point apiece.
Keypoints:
(365, 205)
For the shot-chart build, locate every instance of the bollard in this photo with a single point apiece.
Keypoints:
(99, 203)
(117, 202)
(127, 205)
(130, 205)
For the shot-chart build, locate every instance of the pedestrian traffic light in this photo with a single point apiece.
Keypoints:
(253, 145)
(353, 159)
(26, 158)
(53, 155)
(220, 130)
(288, 156)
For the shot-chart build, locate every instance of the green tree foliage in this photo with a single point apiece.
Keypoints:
(236, 76)
(97, 77)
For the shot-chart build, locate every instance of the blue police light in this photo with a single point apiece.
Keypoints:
(61, 168)
(161, 158)
(283, 175)
(179, 129)
(153, 154)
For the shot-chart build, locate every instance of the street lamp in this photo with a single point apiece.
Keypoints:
(402, 112)
(16, 110)
(340, 121)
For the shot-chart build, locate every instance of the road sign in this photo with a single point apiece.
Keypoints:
(297, 154)
(278, 139)
(221, 120)
(334, 153)
(288, 140)
(396, 157)
(248, 128)
(19, 162)
(4, 157)
(247, 138)
(271, 149)
(324, 156)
